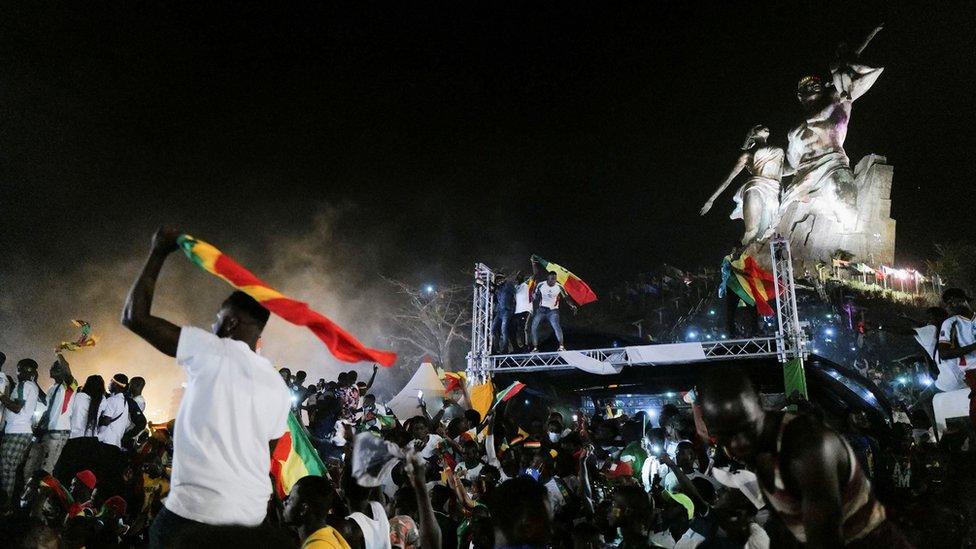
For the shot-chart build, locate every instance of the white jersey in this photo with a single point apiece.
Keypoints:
(523, 301)
(960, 331)
(950, 377)
(549, 295)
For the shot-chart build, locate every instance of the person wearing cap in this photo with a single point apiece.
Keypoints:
(81, 490)
(19, 401)
(957, 339)
(56, 421)
(234, 409)
(504, 311)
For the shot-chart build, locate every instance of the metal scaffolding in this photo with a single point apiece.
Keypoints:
(787, 343)
(482, 307)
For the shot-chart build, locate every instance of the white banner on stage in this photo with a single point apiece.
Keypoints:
(668, 353)
(580, 361)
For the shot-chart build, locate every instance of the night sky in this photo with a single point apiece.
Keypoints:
(424, 137)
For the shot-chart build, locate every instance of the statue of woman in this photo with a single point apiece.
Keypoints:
(757, 201)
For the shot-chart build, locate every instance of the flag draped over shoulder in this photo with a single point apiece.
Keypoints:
(294, 457)
(750, 282)
(574, 285)
(341, 343)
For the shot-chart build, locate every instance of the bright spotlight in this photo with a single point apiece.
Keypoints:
(669, 394)
(829, 331)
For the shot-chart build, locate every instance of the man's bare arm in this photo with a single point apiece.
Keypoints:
(948, 351)
(814, 468)
(160, 333)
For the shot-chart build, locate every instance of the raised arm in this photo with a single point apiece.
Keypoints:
(372, 378)
(430, 531)
(740, 164)
(160, 333)
(860, 49)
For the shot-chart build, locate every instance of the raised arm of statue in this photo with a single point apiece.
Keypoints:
(740, 164)
(864, 45)
(862, 78)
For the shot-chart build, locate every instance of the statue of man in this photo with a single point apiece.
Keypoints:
(816, 146)
(757, 200)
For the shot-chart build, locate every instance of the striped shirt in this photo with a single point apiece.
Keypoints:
(861, 512)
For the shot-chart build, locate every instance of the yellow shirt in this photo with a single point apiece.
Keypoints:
(325, 538)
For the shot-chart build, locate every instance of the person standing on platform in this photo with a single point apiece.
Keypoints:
(233, 411)
(546, 302)
(19, 402)
(504, 310)
(523, 311)
(56, 420)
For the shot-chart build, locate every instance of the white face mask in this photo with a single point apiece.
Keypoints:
(553, 437)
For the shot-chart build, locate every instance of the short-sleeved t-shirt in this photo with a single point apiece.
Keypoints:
(79, 416)
(235, 403)
(960, 331)
(19, 423)
(116, 408)
(549, 295)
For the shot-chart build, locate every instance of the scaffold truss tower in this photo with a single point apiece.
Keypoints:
(788, 344)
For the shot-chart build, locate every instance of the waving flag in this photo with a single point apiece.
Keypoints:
(749, 281)
(574, 285)
(84, 340)
(294, 457)
(342, 344)
(509, 392)
(453, 381)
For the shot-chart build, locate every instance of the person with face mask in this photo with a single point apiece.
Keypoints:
(234, 408)
(19, 400)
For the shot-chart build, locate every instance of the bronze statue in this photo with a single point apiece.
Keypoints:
(757, 200)
(816, 147)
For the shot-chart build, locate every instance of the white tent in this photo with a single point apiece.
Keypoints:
(405, 404)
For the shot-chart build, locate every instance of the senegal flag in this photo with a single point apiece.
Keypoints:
(574, 285)
(749, 281)
(294, 457)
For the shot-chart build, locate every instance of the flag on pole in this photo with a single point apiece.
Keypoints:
(341, 343)
(509, 392)
(574, 285)
(84, 340)
(294, 457)
(454, 381)
(749, 281)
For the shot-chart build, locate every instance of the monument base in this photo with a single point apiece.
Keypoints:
(815, 235)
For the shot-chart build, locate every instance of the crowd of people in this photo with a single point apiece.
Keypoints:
(726, 469)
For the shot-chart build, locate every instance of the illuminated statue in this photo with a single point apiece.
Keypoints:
(816, 147)
(756, 201)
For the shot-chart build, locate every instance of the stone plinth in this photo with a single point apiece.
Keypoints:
(814, 234)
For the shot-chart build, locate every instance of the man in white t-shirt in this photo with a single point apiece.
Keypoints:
(546, 300)
(19, 401)
(56, 421)
(523, 311)
(957, 339)
(234, 408)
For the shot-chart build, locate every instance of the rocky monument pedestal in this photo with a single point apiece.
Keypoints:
(814, 235)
